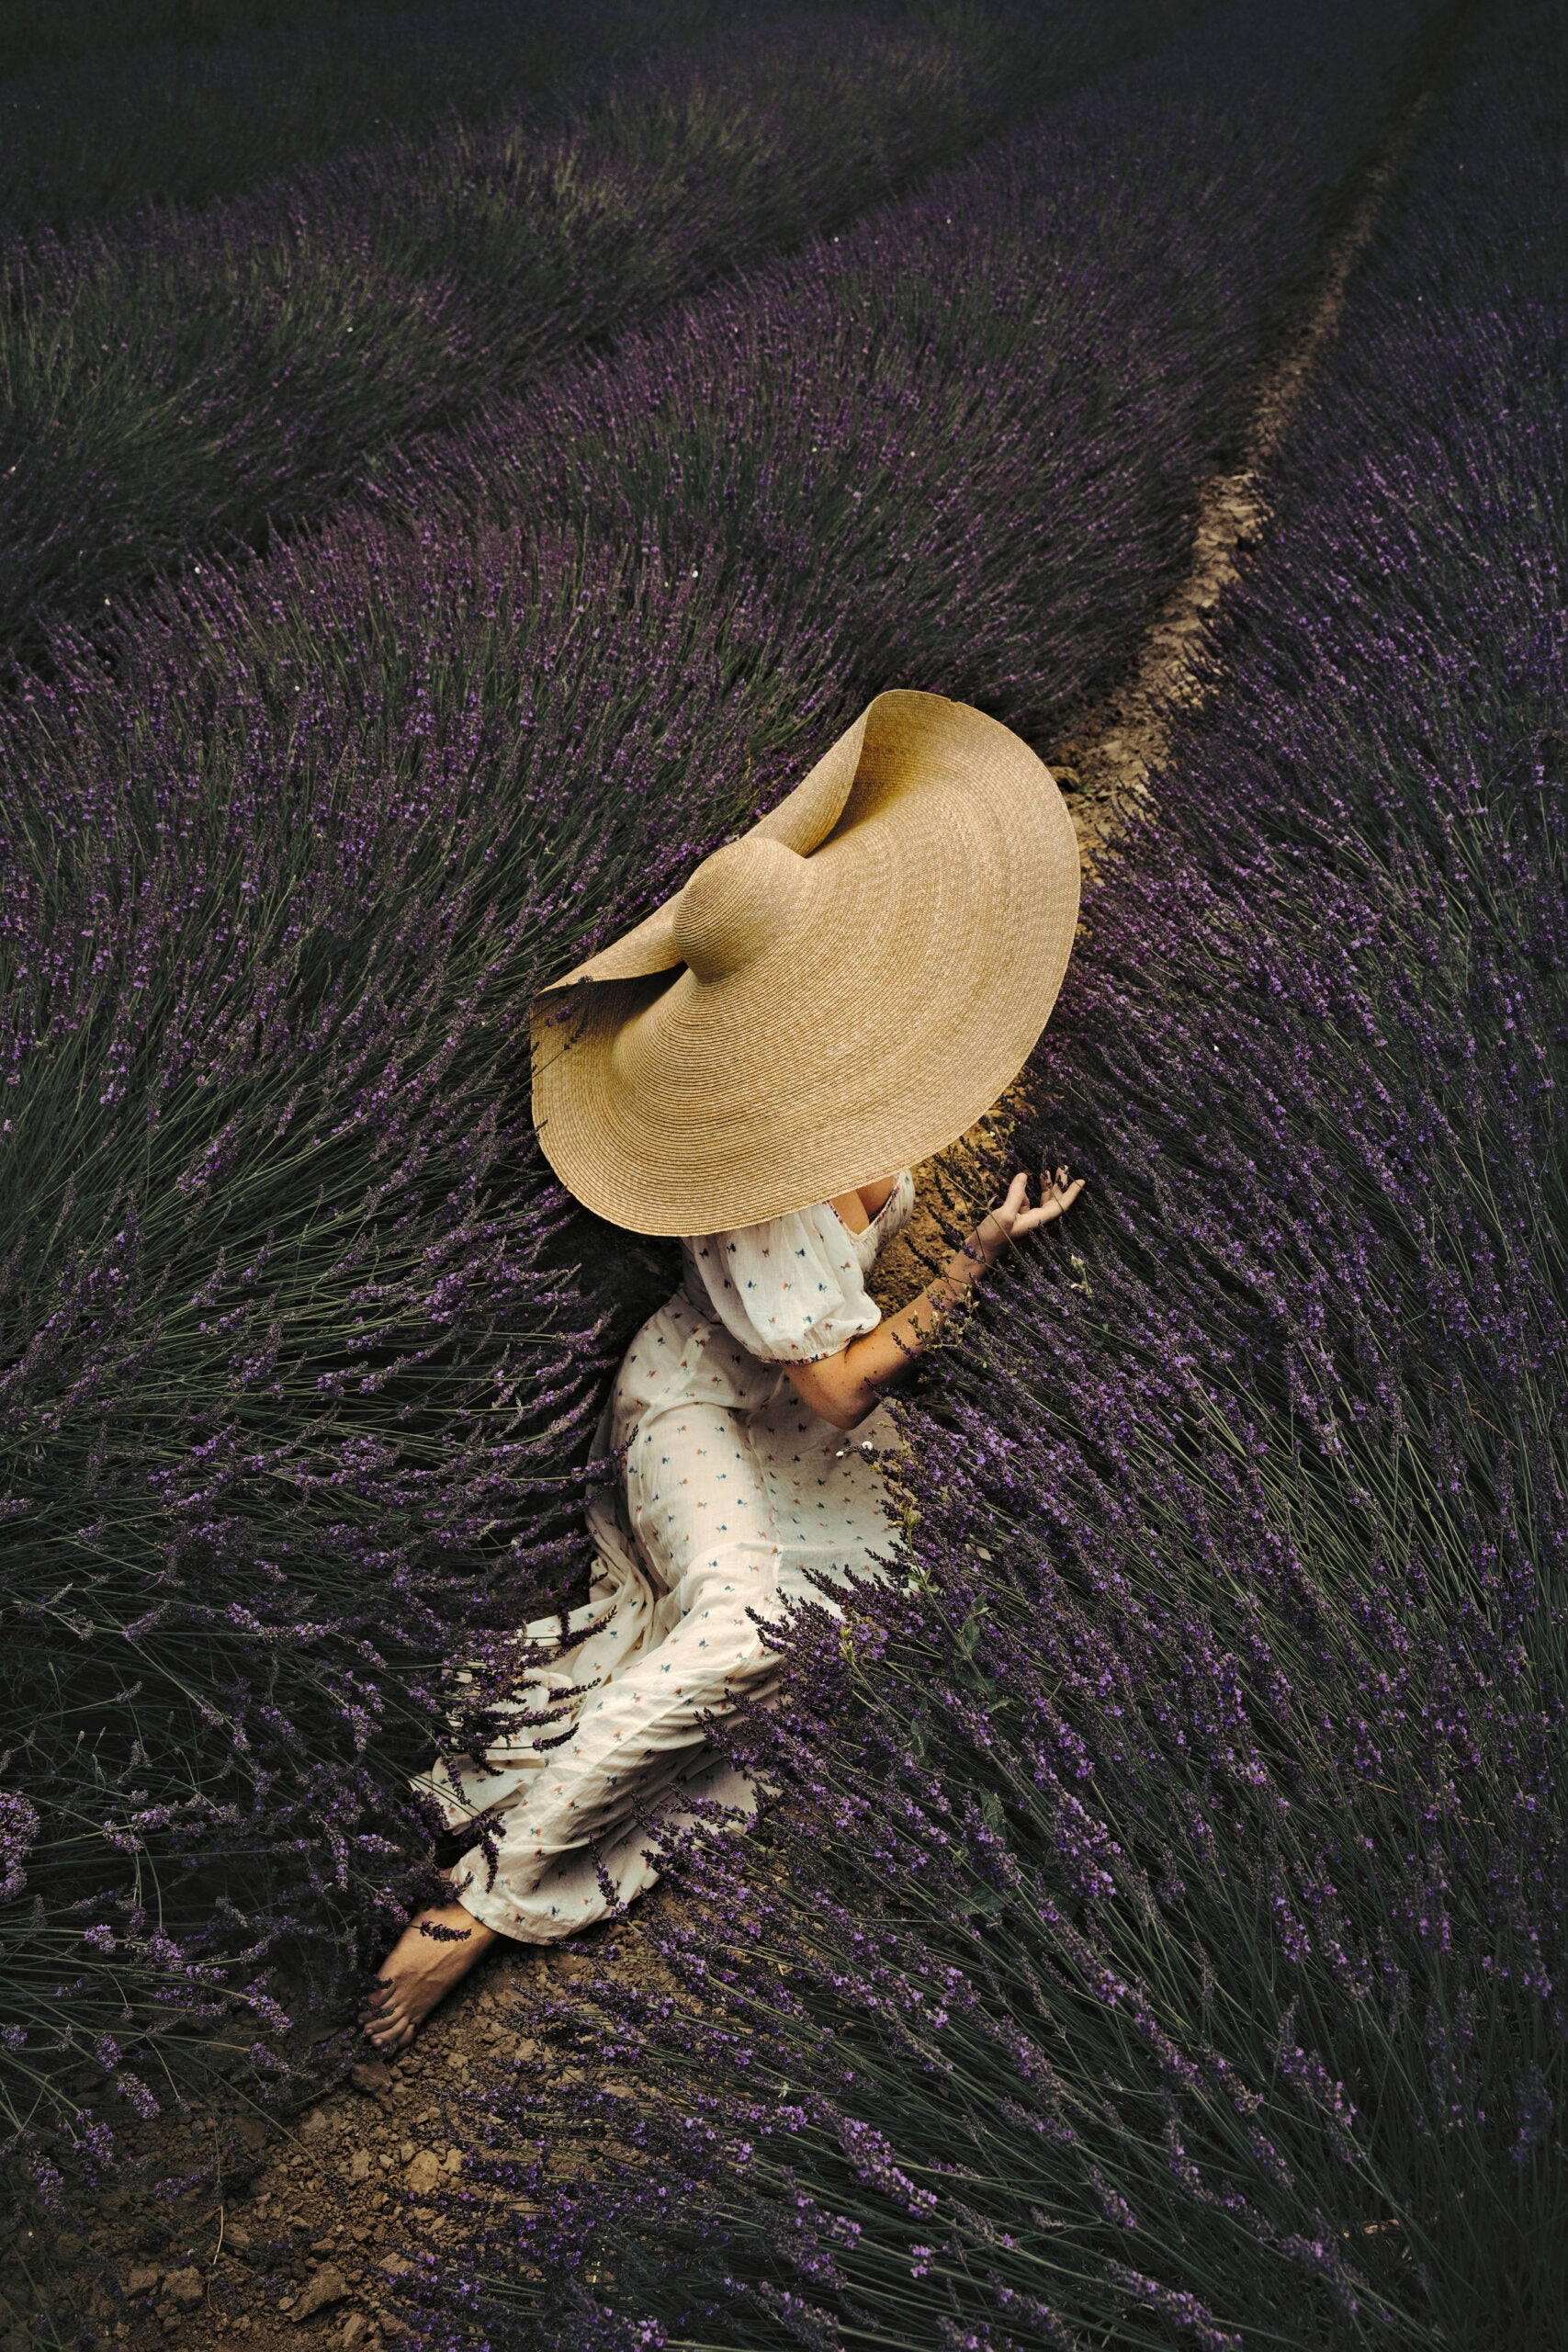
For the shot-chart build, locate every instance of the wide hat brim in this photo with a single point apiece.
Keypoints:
(838, 994)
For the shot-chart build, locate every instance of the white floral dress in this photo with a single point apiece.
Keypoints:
(734, 1495)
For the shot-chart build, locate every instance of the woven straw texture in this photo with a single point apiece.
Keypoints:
(838, 994)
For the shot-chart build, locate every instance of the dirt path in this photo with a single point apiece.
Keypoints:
(278, 2236)
(1108, 753)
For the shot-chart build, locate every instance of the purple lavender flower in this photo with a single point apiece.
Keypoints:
(19, 1826)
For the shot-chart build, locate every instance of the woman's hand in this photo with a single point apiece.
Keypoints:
(1014, 1217)
(843, 1388)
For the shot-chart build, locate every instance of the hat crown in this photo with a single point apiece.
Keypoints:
(737, 904)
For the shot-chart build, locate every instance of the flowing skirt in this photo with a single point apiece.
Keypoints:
(735, 1497)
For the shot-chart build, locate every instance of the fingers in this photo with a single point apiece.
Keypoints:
(1059, 1200)
(1056, 1195)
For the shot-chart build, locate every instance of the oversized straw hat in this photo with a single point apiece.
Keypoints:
(838, 994)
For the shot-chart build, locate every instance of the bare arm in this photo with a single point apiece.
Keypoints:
(843, 1388)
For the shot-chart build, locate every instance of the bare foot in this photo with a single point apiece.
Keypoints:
(434, 1950)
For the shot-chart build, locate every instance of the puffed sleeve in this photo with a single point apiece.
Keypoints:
(791, 1291)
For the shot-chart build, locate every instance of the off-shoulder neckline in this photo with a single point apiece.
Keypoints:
(872, 1222)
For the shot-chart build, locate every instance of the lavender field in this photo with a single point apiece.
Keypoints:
(185, 381)
(1158, 1935)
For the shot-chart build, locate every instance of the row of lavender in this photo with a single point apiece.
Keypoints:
(299, 1368)
(202, 383)
(108, 106)
(1162, 1931)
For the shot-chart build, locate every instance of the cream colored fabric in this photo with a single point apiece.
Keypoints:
(734, 1495)
(791, 1291)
